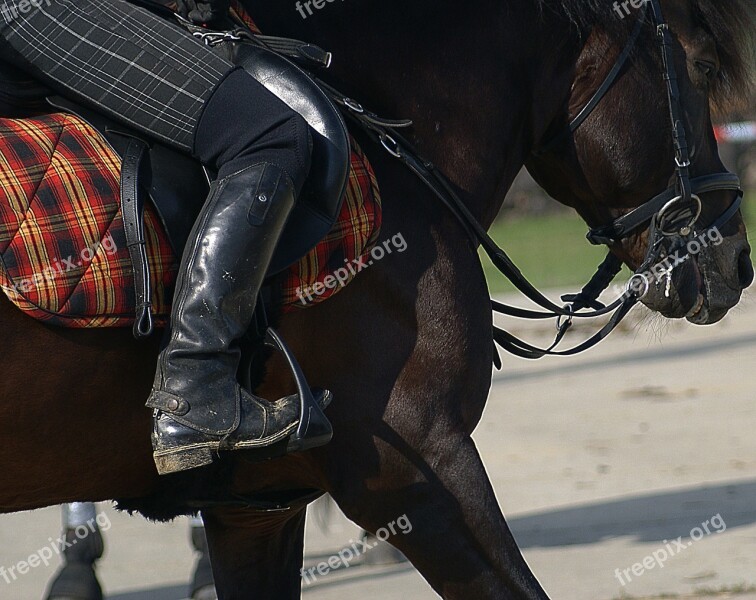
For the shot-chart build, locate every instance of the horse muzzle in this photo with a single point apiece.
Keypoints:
(706, 285)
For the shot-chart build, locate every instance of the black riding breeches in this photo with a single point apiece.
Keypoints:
(155, 77)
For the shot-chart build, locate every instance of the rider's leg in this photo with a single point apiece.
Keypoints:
(163, 82)
(201, 408)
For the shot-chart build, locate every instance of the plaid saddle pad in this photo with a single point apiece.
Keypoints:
(63, 255)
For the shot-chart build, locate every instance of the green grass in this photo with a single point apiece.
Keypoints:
(552, 252)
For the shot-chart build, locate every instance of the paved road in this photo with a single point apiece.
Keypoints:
(598, 461)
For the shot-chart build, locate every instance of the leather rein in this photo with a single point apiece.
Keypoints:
(673, 213)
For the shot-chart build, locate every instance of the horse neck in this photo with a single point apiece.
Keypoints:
(481, 83)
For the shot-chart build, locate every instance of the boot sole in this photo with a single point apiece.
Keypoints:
(201, 455)
(183, 459)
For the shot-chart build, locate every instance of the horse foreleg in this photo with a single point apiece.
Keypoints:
(255, 555)
(438, 507)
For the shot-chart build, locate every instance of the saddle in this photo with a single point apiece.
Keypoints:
(177, 185)
(166, 189)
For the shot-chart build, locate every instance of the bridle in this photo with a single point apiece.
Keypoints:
(685, 193)
(672, 216)
(674, 212)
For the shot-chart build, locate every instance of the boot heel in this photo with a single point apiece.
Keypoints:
(183, 459)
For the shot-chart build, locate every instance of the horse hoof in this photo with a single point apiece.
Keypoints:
(206, 593)
(75, 581)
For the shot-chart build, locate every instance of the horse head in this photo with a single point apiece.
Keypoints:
(621, 148)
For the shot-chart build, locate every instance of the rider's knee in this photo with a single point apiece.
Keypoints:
(244, 123)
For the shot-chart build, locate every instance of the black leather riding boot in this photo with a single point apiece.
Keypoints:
(200, 408)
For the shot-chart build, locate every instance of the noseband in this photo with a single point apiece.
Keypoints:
(672, 215)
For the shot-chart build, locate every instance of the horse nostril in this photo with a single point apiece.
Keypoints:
(745, 269)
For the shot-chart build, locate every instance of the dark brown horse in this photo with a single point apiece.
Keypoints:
(406, 348)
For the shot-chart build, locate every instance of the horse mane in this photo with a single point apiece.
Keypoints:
(731, 23)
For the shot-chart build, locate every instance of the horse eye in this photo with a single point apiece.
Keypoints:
(708, 68)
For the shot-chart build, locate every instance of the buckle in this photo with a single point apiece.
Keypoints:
(354, 106)
(391, 145)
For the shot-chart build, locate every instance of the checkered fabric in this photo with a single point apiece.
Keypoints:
(137, 68)
(62, 246)
(62, 243)
(352, 237)
(63, 250)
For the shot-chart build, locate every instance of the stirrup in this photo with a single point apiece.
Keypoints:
(314, 427)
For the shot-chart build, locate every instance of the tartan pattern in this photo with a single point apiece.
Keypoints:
(63, 255)
(353, 236)
(62, 243)
(60, 198)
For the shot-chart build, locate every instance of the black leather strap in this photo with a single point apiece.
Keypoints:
(679, 139)
(625, 224)
(522, 349)
(132, 208)
(309, 55)
(601, 91)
